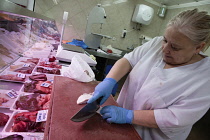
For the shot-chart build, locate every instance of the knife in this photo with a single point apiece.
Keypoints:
(87, 111)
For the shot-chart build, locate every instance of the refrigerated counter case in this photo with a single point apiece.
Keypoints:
(26, 39)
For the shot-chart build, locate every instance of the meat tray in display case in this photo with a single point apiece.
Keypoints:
(25, 35)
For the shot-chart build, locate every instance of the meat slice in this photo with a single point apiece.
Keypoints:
(3, 119)
(3, 100)
(32, 60)
(28, 102)
(40, 88)
(26, 122)
(42, 100)
(38, 77)
(13, 137)
(11, 77)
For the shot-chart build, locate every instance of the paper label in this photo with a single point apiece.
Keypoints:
(42, 116)
(45, 84)
(21, 75)
(26, 65)
(47, 63)
(48, 68)
(12, 94)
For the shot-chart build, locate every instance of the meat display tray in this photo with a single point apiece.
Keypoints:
(8, 128)
(10, 101)
(13, 107)
(12, 73)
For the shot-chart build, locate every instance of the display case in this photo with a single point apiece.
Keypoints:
(28, 44)
(24, 35)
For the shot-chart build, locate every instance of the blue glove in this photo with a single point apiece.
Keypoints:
(114, 114)
(103, 89)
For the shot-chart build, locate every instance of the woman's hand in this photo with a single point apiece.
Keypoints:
(104, 90)
(114, 114)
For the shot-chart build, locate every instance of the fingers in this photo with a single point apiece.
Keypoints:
(109, 120)
(95, 97)
(105, 109)
(103, 100)
(106, 115)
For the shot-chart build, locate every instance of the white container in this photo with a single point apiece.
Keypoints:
(143, 14)
(13, 107)
(8, 128)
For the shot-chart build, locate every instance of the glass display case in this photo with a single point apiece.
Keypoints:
(25, 35)
(28, 42)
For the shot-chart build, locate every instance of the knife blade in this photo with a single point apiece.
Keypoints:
(87, 111)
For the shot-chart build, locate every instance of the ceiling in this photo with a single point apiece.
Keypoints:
(178, 2)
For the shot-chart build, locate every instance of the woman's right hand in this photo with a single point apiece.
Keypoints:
(104, 90)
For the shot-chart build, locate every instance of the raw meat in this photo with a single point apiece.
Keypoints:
(30, 86)
(3, 119)
(32, 60)
(3, 100)
(42, 100)
(38, 77)
(32, 102)
(50, 64)
(84, 98)
(26, 70)
(11, 77)
(26, 122)
(49, 71)
(46, 105)
(13, 137)
(52, 59)
(28, 102)
(42, 89)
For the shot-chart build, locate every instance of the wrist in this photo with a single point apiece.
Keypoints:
(112, 80)
(129, 116)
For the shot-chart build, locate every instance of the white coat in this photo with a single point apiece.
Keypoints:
(179, 96)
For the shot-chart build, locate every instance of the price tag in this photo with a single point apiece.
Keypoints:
(42, 116)
(21, 75)
(12, 94)
(26, 65)
(45, 84)
(48, 68)
(47, 63)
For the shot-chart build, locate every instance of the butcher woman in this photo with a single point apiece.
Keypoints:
(168, 86)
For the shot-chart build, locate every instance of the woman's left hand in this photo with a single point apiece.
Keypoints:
(114, 114)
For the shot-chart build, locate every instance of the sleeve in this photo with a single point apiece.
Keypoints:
(174, 120)
(150, 46)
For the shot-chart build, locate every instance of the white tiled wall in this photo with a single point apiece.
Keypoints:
(118, 17)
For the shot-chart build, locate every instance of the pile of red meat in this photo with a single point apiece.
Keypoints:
(42, 87)
(38, 77)
(26, 122)
(33, 102)
(48, 70)
(3, 100)
(50, 64)
(3, 119)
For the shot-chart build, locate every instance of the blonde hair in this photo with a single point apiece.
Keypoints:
(195, 25)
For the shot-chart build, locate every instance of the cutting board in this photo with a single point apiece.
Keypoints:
(63, 106)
